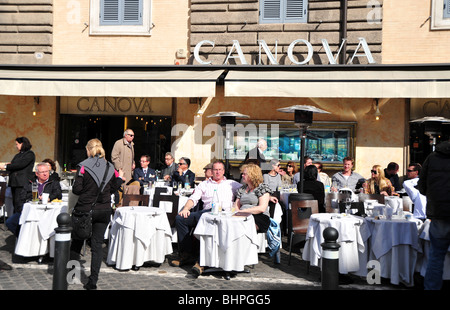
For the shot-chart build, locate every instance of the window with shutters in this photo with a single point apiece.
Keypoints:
(120, 17)
(440, 15)
(283, 11)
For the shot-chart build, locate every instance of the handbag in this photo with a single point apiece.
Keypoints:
(82, 220)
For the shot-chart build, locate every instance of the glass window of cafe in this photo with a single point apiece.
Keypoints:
(152, 136)
(327, 142)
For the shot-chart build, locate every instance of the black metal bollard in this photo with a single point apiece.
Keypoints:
(62, 251)
(330, 259)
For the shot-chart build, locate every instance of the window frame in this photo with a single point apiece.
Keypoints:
(97, 28)
(283, 19)
(438, 20)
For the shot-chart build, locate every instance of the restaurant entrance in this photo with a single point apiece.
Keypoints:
(421, 143)
(152, 136)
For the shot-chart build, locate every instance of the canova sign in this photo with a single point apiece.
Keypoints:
(362, 44)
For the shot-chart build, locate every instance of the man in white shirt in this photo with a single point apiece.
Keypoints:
(419, 200)
(186, 220)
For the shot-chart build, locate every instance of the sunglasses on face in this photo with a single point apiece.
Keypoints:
(181, 164)
(131, 135)
(373, 171)
(290, 166)
(410, 170)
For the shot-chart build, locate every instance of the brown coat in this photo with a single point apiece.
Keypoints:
(122, 156)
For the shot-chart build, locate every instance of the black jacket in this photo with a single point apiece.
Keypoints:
(434, 182)
(182, 179)
(317, 189)
(87, 189)
(21, 169)
(52, 187)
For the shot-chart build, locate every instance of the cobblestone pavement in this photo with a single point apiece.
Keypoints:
(28, 274)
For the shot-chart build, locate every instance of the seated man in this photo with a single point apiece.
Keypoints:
(419, 200)
(346, 178)
(186, 220)
(183, 174)
(46, 184)
(144, 174)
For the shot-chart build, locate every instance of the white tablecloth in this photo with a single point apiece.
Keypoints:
(422, 260)
(138, 235)
(227, 242)
(38, 223)
(395, 245)
(353, 233)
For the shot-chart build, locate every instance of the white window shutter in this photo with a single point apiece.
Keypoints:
(109, 11)
(271, 11)
(296, 11)
(132, 12)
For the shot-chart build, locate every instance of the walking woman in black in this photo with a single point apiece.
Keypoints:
(87, 183)
(20, 173)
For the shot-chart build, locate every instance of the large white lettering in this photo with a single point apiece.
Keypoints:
(236, 47)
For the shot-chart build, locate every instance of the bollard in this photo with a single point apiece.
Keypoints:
(330, 259)
(62, 251)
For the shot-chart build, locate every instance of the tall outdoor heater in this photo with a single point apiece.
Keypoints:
(432, 127)
(228, 118)
(303, 117)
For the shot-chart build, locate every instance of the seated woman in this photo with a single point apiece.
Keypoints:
(314, 187)
(378, 183)
(291, 170)
(254, 196)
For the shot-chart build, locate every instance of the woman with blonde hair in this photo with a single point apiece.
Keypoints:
(378, 183)
(95, 197)
(254, 196)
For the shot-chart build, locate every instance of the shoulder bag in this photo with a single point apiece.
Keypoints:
(81, 220)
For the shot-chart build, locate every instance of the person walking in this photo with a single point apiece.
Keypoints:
(122, 154)
(88, 180)
(434, 181)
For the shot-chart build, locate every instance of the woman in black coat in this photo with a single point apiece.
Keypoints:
(87, 185)
(314, 187)
(20, 173)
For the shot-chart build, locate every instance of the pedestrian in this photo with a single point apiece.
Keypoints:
(122, 154)
(20, 173)
(88, 180)
(434, 181)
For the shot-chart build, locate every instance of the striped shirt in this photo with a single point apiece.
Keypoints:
(226, 191)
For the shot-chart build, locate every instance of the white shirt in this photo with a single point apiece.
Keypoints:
(419, 200)
(226, 190)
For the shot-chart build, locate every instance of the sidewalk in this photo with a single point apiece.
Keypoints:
(28, 274)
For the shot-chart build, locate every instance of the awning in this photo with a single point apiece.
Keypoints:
(119, 83)
(339, 83)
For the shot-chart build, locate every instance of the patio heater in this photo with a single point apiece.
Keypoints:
(303, 117)
(228, 118)
(433, 127)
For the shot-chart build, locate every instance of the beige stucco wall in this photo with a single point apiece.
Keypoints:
(72, 43)
(18, 121)
(377, 142)
(407, 37)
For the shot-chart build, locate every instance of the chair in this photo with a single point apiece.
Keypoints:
(353, 205)
(301, 212)
(2, 202)
(174, 199)
(135, 200)
(333, 196)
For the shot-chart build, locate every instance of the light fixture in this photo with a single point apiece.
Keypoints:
(377, 111)
(35, 106)
(303, 118)
(228, 118)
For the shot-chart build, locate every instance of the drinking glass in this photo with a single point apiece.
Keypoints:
(34, 191)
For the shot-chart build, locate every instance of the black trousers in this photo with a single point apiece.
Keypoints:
(100, 221)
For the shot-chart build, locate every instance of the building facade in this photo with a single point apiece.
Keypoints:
(164, 77)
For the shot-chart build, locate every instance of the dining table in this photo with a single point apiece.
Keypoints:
(353, 234)
(393, 243)
(424, 244)
(227, 241)
(37, 228)
(138, 235)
